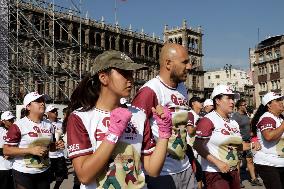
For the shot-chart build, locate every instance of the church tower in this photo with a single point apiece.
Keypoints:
(191, 39)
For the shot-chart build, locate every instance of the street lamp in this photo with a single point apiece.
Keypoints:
(228, 68)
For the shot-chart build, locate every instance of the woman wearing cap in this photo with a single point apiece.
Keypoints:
(217, 141)
(268, 126)
(106, 142)
(7, 119)
(58, 168)
(207, 107)
(27, 141)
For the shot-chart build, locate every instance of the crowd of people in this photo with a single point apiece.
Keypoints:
(161, 139)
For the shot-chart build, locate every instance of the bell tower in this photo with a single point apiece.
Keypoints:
(191, 39)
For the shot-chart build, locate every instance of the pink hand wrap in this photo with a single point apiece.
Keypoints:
(164, 124)
(254, 139)
(119, 119)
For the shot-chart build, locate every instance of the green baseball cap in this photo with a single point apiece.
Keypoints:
(114, 59)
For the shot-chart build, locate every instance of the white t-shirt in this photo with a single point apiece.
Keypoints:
(4, 163)
(85, 133)
(271, 153)
(224, 138)
(25, 133)
(156, 92)
(57, 126)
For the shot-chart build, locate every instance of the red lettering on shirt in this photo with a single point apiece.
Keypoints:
(41, 130)
(106, 122)
(227, 126)
(99, 135)
(178, 101)
(225, 132)
(33, 134)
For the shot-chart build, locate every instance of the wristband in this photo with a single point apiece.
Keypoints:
(112, 138)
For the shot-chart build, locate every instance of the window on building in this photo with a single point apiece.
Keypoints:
(268, 55)
(217, 76)
(271, 68)
(261, 58)
(277, 53)
(263, 86)
(276, 67)
(209, 77)
(227, 75)
(273, 85)
(260, 70)
(278, 84)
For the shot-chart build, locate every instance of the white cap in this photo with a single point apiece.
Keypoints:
(208, 102)
(50, 108)
(221, 89)
(123, 101)
(31, 97)
(7, 115)
(269, 97)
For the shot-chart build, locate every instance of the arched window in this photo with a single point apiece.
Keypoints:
(180, 40)
(134, 48)
(150, 51)
(112, 42)
(83, 36)
(121, 44)
(107, 42)
(139, 49)
(75, 34)
(126, 46)
(91, 38)
(146, 50)
(98, 40)
(64, 35)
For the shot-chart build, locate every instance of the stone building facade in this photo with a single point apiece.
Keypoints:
(52, 49)
(268, 67)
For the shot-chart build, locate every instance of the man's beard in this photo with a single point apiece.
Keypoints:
(175, 78)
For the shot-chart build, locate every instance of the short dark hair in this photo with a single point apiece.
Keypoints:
(194, 99)
(239, 102)
(219, 96)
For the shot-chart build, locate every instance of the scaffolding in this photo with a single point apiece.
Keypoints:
(4, 85)
(32, 57)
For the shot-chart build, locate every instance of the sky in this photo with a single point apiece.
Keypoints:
(230, 27)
